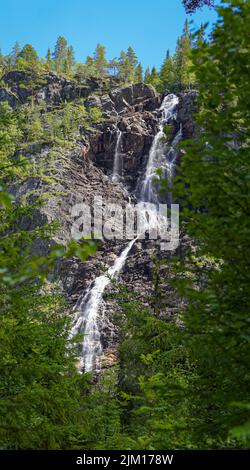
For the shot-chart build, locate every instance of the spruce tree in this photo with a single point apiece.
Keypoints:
(154, 79)
(167, 74)
(125, 70)
(90, 66)
(138, 74)
(147, 75)
(49, 63)
(70, 58)
(100, 61)
(184, 76)
(15, 53)
(132, 57)
(28, 59)
(60, 54)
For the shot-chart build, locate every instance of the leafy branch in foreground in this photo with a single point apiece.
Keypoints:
(41, 392)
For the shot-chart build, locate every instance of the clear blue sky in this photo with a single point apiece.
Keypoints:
(149, 26)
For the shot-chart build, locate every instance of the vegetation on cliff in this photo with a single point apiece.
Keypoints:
(179, 384)
(175, 73)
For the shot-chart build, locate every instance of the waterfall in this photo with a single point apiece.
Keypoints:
(117, 158)
(160, 157)
(86, 319)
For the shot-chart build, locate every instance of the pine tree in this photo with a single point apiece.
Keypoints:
(69, 60)
(100, 61)
(167, 75)
(147, 75)
(15, 53)
(138, 74)
(7, 63)
(49, 61)
(70, 57)
(132, 57)
(90, 65)
(125, 72)
(155, 79)
(60, 54)
(200, 37)
(182, 59)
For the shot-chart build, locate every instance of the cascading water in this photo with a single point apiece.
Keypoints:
(86, 320)
(117, 158)
(87, 317)
(160, 156)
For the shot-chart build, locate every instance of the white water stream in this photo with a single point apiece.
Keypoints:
(87, 310)
(117, 158)
(86, 320)
(160, 157)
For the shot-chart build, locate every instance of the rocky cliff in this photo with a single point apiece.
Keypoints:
(85, 172)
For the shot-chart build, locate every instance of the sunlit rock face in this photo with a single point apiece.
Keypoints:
(93, 315)
(115, 159)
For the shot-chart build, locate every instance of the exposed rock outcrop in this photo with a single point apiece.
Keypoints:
(138, 131)
(54, 89)
(133, 111)
(85, 173)
(185, 116)
(51, 88)
(124, 100)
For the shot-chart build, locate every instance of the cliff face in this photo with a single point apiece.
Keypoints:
(85, 172)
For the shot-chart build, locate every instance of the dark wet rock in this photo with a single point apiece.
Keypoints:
(8, 96)
(50, 87)
(136, 97)
(185, 116)
(138, 131)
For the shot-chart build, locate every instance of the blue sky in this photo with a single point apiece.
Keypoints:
(149, 26)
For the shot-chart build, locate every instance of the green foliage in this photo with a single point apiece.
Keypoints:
(125, 69)
(27, 59)
(192, 5)
(167, 73)
(177, 72)
(15, 53)
(138, 73)
(40, 388)
(182, 380)
(41, 392)
(174, 74)
(214, 185)
(154, 79)
(49, 61)
(95, 115)
(182, 61)
(63, 56)
(100, 61)
(184, 383)
(147, 75)
(60, 54)
(155, 374)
